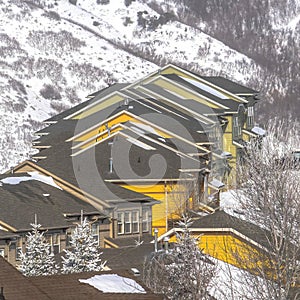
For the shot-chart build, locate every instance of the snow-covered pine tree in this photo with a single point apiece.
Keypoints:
(183, 272)
(38, 259)
(84, 255)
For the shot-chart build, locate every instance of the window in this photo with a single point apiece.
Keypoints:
(1, 252)
(120, 223)
(54, 241)
(19, 249)
(135, 222)
(250, 117)
(237, 131)
(68, 239)
(145, 220)
(95, 231)
(128, 222)
(127, 217)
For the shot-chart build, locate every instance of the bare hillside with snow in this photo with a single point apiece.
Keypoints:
(54, 53)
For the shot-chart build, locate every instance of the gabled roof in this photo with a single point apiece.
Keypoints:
(68, 287)
(135, 256)
(219, 222)
(220, 219)
(95, 95)
(16, 286)
(49, 203)
(84, 173)
(230, 85)
(62, 287)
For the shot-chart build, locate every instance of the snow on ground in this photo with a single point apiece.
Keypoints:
(113, 283)
(232, 283)
(79, 49)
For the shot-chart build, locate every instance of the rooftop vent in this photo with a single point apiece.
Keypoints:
(135, 272)
(1, 294)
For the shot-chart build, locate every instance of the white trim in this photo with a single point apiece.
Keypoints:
(204, 230)
(115, 93)
(95, 126)
(155, 104)
(205, 120)
(204, 81)
(148, 180)
(245, 131)
(183, 87)
(237, 144)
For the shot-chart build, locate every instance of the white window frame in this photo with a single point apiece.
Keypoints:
(237, 130)
(55, 242)
(95, 231)
(120, 223)
(250, 116)
(145, 220)
(127, 222)
(135, 221)
(19, 249)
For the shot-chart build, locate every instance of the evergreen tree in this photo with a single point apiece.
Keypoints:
(37, 260)
(183, 272)
(84, 255)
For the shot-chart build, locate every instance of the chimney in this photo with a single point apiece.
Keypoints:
(1, 294)
(12, 170)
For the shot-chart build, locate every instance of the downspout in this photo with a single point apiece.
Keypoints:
(166, 201)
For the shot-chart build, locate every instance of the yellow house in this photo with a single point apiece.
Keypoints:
(231, 240)
(203, 120)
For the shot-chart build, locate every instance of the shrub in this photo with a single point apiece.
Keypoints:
(49, 92)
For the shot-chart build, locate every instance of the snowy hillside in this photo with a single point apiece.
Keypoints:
(53, 53)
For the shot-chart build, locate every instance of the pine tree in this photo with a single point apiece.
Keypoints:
(37, 260)
(183, 272)
(84, 255)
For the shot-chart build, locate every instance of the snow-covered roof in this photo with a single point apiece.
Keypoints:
(32, 176)
(215, 183)
(113, 283)
(258, 130)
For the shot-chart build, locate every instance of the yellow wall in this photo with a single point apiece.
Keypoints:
(97, 107)
(175, 194)
(230, 249)
(183, 93)
(119, 119)
(172, 70)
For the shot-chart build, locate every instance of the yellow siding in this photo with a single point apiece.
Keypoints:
(97, 107)
(229, 249)
(158, 192)
(101, 137)
(172, 70)
(246, 137)
(183, 93)
(119, 119)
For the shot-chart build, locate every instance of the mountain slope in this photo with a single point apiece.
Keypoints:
(54, 53)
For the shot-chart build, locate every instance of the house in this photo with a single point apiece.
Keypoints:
(141, 153)
(15, 286)
(26, 197)
(233, 240)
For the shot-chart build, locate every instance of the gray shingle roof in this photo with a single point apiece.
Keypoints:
(20, 202)
(229, 85)
(220, 219)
